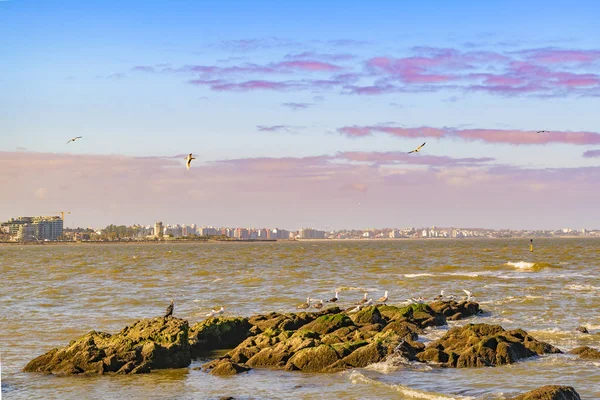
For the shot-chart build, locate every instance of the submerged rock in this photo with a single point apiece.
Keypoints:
(582, 329)
(224, 367)
(147, 344)
(550, 392)
(586, 353)
(483, 345)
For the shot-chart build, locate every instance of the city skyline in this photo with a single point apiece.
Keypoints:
(294, 122)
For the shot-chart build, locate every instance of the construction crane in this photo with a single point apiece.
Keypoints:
(62, 214)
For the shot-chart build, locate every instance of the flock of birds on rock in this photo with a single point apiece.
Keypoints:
(364, 302)
(319, 303)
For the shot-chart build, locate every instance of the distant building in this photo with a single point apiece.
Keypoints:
(309, 233)
(158, 230)
(395, 234)
(35, 228)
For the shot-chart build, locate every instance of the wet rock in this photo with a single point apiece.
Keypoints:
(405, 330)
(582, 329)
(313, 359)
(146, 345)
(217, 333)
(365, 355)
(224, 367)
(550, 392)
(328, 323)
(367, 316)
(586, 353)
(482, 345)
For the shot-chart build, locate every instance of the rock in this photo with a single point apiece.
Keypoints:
(328, 323)
(550, 392)
(217, 333)
(586, 353)
(225, 367)
(405, 330)
(365, 355)
(366, 316)
(481, 345)
(313, 359)
(147, 344)
(582, 329)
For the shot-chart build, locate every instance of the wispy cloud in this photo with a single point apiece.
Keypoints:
(275, 128)
(514, 137)
(591, 153)
(297, 106)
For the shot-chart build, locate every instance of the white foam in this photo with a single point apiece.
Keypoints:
(358, 377)
(521, 264)
(583, 288)
(416, 275)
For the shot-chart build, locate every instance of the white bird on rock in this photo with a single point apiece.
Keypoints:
(303, 306)
(384, 298)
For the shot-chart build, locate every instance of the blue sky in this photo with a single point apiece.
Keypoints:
(234, 82)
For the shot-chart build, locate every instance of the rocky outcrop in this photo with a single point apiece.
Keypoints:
(550, 392)
(146, 345)
(324, 341)
(483, 345)
(217, 333)
(332, 340)
(586, 353)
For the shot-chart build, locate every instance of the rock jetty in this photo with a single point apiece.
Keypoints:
(550, 392)
(326, 341)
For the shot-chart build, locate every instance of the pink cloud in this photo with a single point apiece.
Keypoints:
(308, 66)
(561, 56)
(396, 157)
(104, 189)
(274, 128)
(515, 137)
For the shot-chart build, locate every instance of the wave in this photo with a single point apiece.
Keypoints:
(530, 265)
(583, 288)
(417, 275)
(358, 377)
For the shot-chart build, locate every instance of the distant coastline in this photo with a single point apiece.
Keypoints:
(191, 242)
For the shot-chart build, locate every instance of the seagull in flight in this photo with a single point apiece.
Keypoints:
(543, 132)
(74, 139)
(417, 149)
(188, 160)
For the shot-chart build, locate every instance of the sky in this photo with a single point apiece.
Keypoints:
(301, 114)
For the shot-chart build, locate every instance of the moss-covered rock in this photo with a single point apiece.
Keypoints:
(481, 345)
(218, 333)
(147, 344)
(586, 353)
(550, 392)
(367, 316)
(224, 367)
(313, 359)
(328, 323)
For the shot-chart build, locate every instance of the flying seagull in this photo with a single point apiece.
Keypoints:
(188, 160)
(543, 132)
(74, 139)
(417, 149)
(169, 312)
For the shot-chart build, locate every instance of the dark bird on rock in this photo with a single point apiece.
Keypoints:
(169, 312)
(334, 299)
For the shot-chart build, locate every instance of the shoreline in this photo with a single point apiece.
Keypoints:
(209, 241)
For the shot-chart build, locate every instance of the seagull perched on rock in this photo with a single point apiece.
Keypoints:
(363, 300)
(188, 160)
(216, 312)
(417, 149)
(368, 303)
(384, 298)
(169, 311)
(469, 296)
(74, 139)
(335, 298)
(355, 309)
(439, 296)
(303, 306)
(318, 305)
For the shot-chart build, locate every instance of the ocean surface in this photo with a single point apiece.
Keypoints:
(53, 294)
